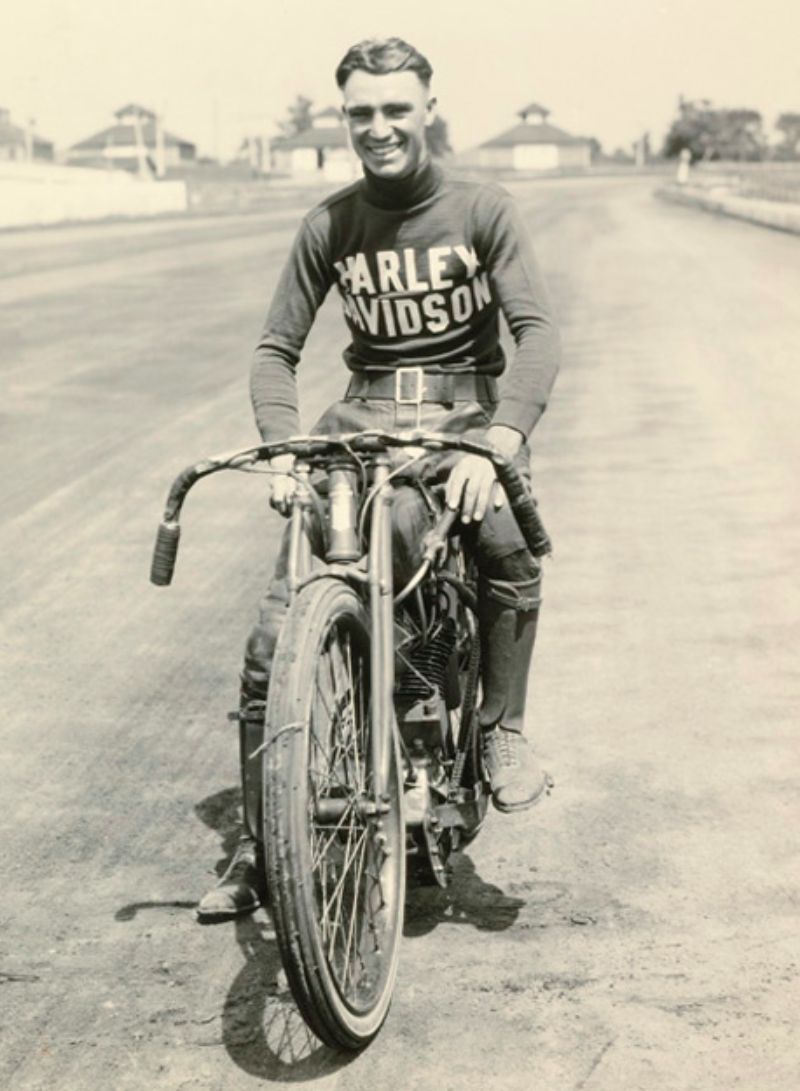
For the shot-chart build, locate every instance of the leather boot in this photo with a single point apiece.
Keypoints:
(509, 615)
(252, 708)
(236, 891)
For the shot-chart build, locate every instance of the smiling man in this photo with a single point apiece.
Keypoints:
(424, 265)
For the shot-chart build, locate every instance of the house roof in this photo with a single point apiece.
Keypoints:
(312, 138)
(524, 133)
(125, 136)
(329, 111)
(135, 108)
(533, 108)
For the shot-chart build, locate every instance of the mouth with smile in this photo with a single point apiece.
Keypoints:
(384, 151)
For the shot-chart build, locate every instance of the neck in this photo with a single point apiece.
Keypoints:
(406, 192)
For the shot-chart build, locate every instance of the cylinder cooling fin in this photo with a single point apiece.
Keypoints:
(427, 667)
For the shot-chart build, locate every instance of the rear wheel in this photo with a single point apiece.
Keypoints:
(335, 854)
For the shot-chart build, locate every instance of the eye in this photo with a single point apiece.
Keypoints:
(359, 113)
(398, 110)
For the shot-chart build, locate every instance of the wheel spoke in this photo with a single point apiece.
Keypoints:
(337, 894)
(332, 832)
(354, 911)
(353, 723)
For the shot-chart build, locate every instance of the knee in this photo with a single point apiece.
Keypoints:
(411, 520)
(514, 581)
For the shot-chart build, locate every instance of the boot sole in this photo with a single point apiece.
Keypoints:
(218, 916)
(511, 808)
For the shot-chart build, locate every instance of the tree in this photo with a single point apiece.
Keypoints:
(710, 133)
(789, 147)
(299, 116)
(438, 138)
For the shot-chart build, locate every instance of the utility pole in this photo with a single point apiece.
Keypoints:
(161, 159)
(141, 154)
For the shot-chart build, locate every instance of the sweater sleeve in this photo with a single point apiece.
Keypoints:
(301, 290)
(506, 251)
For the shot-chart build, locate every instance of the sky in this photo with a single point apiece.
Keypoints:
(220, 69)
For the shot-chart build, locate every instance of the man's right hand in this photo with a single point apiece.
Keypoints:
(283, 486)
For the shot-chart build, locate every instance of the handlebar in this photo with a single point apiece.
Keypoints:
(317, 447)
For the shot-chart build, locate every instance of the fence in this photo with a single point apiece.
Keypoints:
(759, 181)
(42, 193)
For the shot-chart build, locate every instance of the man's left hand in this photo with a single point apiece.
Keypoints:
(472, 484)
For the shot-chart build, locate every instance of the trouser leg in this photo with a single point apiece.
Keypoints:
(236, 892)
(509, 616)
(259, 653)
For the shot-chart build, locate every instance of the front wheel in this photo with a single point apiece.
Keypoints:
(335, 853)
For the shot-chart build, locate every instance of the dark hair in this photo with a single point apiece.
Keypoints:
(382, 55)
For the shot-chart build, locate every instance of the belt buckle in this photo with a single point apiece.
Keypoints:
(402, 377)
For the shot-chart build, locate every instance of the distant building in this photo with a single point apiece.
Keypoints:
(21, 144)
(534, 144)
(323, 150)
(136, 142)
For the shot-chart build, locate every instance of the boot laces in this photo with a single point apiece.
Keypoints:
(242, 862)
(502, 746)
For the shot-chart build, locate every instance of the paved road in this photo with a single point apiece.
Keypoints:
(639, 930)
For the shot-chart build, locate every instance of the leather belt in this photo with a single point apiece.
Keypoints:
(416, 386)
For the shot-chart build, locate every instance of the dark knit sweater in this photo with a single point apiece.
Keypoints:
(423, 267)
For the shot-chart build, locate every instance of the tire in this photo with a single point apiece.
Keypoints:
(336, 874)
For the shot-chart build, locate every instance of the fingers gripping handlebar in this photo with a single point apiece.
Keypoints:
(311, 447)
(524, 507)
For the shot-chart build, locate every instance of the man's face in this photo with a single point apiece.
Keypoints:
(387, 115)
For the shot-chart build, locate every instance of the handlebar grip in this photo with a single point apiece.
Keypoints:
(525, 510)
(164, 554)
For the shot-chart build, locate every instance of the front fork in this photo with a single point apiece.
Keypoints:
(299, 560)
(381, 608)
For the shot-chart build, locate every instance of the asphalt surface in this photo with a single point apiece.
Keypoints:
(639, 930)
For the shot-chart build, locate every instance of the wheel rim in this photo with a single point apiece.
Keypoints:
(353, 885)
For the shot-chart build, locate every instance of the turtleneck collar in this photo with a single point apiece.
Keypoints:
(402, 194)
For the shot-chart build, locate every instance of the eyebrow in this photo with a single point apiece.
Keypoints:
(362, 107)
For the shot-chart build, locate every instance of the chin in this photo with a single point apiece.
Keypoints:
(389, 170)
(398, 169)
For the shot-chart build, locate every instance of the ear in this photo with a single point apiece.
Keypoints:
(430, 111)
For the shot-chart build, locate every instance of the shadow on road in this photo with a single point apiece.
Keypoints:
(467, 900)
(130, 911)
(262, 1030)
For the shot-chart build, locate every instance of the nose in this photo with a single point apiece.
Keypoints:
(379, 128)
